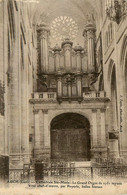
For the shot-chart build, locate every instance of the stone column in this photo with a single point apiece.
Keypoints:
(113, 144)
(57, 50)
(103, 130)
(42, 128)
(43, 36)
(24, 117)
(98, 151)
(15, 128)
(67, 47)
(46, 144)
(46, 129)
(94, 123)
(5, 74)
(37, 130)
(89, 33)
(59, 85)
(113, 148)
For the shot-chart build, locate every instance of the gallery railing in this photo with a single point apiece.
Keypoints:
(109, 162)
(19, 176)
(62, 172)
(115, 172)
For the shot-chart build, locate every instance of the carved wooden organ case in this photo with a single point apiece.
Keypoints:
(66, 70)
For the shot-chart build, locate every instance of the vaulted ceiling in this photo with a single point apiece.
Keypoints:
(48, 10)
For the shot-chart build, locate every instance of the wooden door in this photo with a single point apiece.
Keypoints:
(69, 144)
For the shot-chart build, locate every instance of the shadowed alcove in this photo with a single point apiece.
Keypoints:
(70, 137)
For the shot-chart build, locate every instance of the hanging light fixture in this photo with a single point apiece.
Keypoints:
(115, 9)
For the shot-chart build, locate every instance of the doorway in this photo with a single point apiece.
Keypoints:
(70, 138)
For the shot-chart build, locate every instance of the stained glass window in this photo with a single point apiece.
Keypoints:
(63, 27)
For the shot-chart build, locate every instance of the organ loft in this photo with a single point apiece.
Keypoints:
(69, 108)
(66, 70)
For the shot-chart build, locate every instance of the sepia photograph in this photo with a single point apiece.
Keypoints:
(63, 97)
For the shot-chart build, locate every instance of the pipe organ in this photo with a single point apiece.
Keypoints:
(66, 70)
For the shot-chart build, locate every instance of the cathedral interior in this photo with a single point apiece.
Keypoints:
(63, 80)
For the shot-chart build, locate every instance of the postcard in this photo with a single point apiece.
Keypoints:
(63, 97)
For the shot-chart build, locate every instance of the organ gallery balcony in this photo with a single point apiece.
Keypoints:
(44, 96)
(94, 94)
(52, 97)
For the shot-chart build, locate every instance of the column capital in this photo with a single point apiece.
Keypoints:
(78, 49)
(103, 110)
(59, 75)
(90, 24)
(78, 74)
(59, 78)
(89, 30)
(43, 31)
(94, 110)
(57, 49)
(36, 111)
(45, 111)
(43, 27)
(67, 44)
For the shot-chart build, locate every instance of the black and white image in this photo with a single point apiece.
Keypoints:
(63, 93)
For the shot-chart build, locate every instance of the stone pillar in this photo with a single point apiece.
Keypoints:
(43, 36)
(46, 129)
(113, 144)
(1, 134)
(94, 136)
(89, 33)
(94, 123)
(99, 150)
(37, 143)
(67, 47)
(42, 129)
(59, 85)
(103, 130)
(113, 148)
(15, 128)
(57, 50)
(24, 111)
(46, 144)
(37, 130)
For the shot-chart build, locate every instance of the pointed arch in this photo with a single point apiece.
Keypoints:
(123, 53)
(110, 69)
